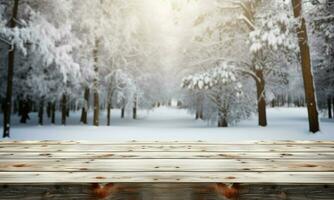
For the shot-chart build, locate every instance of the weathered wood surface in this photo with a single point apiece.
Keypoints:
(171, 161)
(167, 191)
(167, 155)
(166, 165)
(168, 177)
(36, 142)
(168, 147)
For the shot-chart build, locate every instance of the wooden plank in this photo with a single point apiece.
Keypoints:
(166, 155)
(160, 148)
(257, 162)
(161, 165)
(170, 142)
(164, 191)
(163, 177)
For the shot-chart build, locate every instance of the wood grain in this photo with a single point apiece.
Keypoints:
(171, 161)
(164, 142)
(163, 165)
(168, 177)
(167, 155)
(164, 148)
(167, 191)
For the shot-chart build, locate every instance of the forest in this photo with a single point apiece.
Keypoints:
(220, 62)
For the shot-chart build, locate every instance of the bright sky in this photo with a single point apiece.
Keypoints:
(169, 23)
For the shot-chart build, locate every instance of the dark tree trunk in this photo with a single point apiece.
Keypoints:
(134, 110)
(306, 68)
(108, 112)
(199, 107)
(273, 103)
(96, 87)
(48, 109)
(329, 105)
(63, 109)
(9, 91)
(123, 112)
(68, 106)
(41, 112)
(333, 105)
(24, 110)
(200, 112)
(53, 112)
(261, 101)
(179, 104)
(222, 122)
(123, 109)
(201, 115)
(85, 106)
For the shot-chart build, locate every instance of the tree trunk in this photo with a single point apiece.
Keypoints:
(261, 101)
(53, 112)
(24, 111)
(123, 108)
(123, 112)
(48, 109)
(134, 111)
(199, 114)
(41, 112)
(333, 105)
(329, 105)
(199, 107)
(9, 91)
(68, 107)
(108, 112)
(63, 109)
(273, 103)
(85, 106)
(96, 86)
(306, 68)
(222, 122)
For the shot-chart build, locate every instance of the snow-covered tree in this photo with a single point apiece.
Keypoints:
(321, 19)
(258, 36)
(224, 88)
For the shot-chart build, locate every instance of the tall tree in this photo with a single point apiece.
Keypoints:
(9, 93)
(96, 86)
(63, 109)
(306, 67)
(85, 106)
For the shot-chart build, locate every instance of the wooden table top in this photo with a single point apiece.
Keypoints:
(309, 162)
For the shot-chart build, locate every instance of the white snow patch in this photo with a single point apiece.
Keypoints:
(169, 124)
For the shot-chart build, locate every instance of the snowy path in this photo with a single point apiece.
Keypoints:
(174, 124)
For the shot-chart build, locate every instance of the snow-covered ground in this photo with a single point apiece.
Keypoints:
(171, 124)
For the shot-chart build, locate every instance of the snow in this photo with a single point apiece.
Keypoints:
(170, 124)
